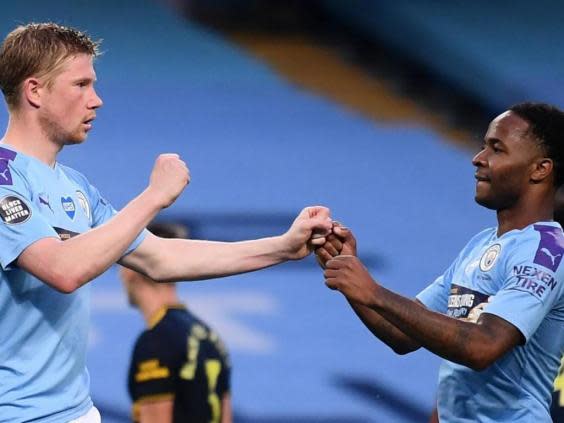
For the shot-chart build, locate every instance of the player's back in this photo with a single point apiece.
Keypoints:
(180, 357)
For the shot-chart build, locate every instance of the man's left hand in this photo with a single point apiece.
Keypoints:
(348, 275)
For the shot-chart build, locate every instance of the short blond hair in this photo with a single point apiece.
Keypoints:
(38, 49)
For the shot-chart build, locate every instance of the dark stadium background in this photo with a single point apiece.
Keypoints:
(372, 108)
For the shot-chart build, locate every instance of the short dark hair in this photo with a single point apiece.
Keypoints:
(546, 123)
(169, 230)
(37, 49)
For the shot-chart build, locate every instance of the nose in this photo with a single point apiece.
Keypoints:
(95, 102)
(479, 159)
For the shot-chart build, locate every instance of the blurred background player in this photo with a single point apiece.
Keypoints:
(557, 407)
(179, 370)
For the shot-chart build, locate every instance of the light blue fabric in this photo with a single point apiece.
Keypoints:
(43, 333)
(517, 277)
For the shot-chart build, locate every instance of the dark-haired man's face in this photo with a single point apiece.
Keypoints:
(505, 162)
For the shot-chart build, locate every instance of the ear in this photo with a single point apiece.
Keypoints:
(31, 91)
(542, 169)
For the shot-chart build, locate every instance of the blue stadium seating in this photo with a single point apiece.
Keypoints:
(501, 52)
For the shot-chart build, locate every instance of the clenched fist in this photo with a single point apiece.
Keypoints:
(310, 228)
(169, 177)
(348, 275)
(340, 242)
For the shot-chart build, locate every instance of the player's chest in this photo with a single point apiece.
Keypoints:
(476, 279)
(64, 206)
(482, 268)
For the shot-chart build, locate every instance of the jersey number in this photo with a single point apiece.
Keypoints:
(212, 367)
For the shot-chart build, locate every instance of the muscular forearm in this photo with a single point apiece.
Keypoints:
(182, 260)
(208, 259)
(67, 265)
(455, 340)
(384, 330)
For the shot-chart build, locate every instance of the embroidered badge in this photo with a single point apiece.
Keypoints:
(489, 258)
(68, 206)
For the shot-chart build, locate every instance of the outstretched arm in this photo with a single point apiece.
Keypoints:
(179, 259)
(342, 241)
(67, 265)
(475, 345)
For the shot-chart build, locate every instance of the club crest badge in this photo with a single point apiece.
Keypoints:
(68, 206)
(489, 258)
(83, 202)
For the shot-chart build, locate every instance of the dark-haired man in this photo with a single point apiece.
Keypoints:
(497, 314)
(47, 78)
(180, 370)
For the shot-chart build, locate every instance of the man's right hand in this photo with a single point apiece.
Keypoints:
(169, 177)
(340, 242)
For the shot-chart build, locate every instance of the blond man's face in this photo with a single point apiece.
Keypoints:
(69, 101)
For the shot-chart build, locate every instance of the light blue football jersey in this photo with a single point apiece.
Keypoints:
(517, 277)
(43, 333)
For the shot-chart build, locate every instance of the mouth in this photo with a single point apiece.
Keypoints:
(88, 122)
(481, 178)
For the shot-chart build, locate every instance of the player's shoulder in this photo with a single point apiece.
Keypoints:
(482, 237)
(73, 173)
(540, 244)
(539, 235)
(170, 323)
(178, 325)
(484, 234)
(16, 170)
(149, 343)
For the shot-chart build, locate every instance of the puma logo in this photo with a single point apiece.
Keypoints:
(3, 174)
(45, 201)
(549, 254)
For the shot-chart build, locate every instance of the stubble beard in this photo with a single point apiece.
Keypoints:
(58, 135)
(497, 201)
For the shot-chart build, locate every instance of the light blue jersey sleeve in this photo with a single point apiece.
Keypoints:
(533, 282)
(100, 209)
(21, 223)
(435, 296)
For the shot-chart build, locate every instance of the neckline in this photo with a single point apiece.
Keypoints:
(28, 157)
(552, 223)
(161, 312)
